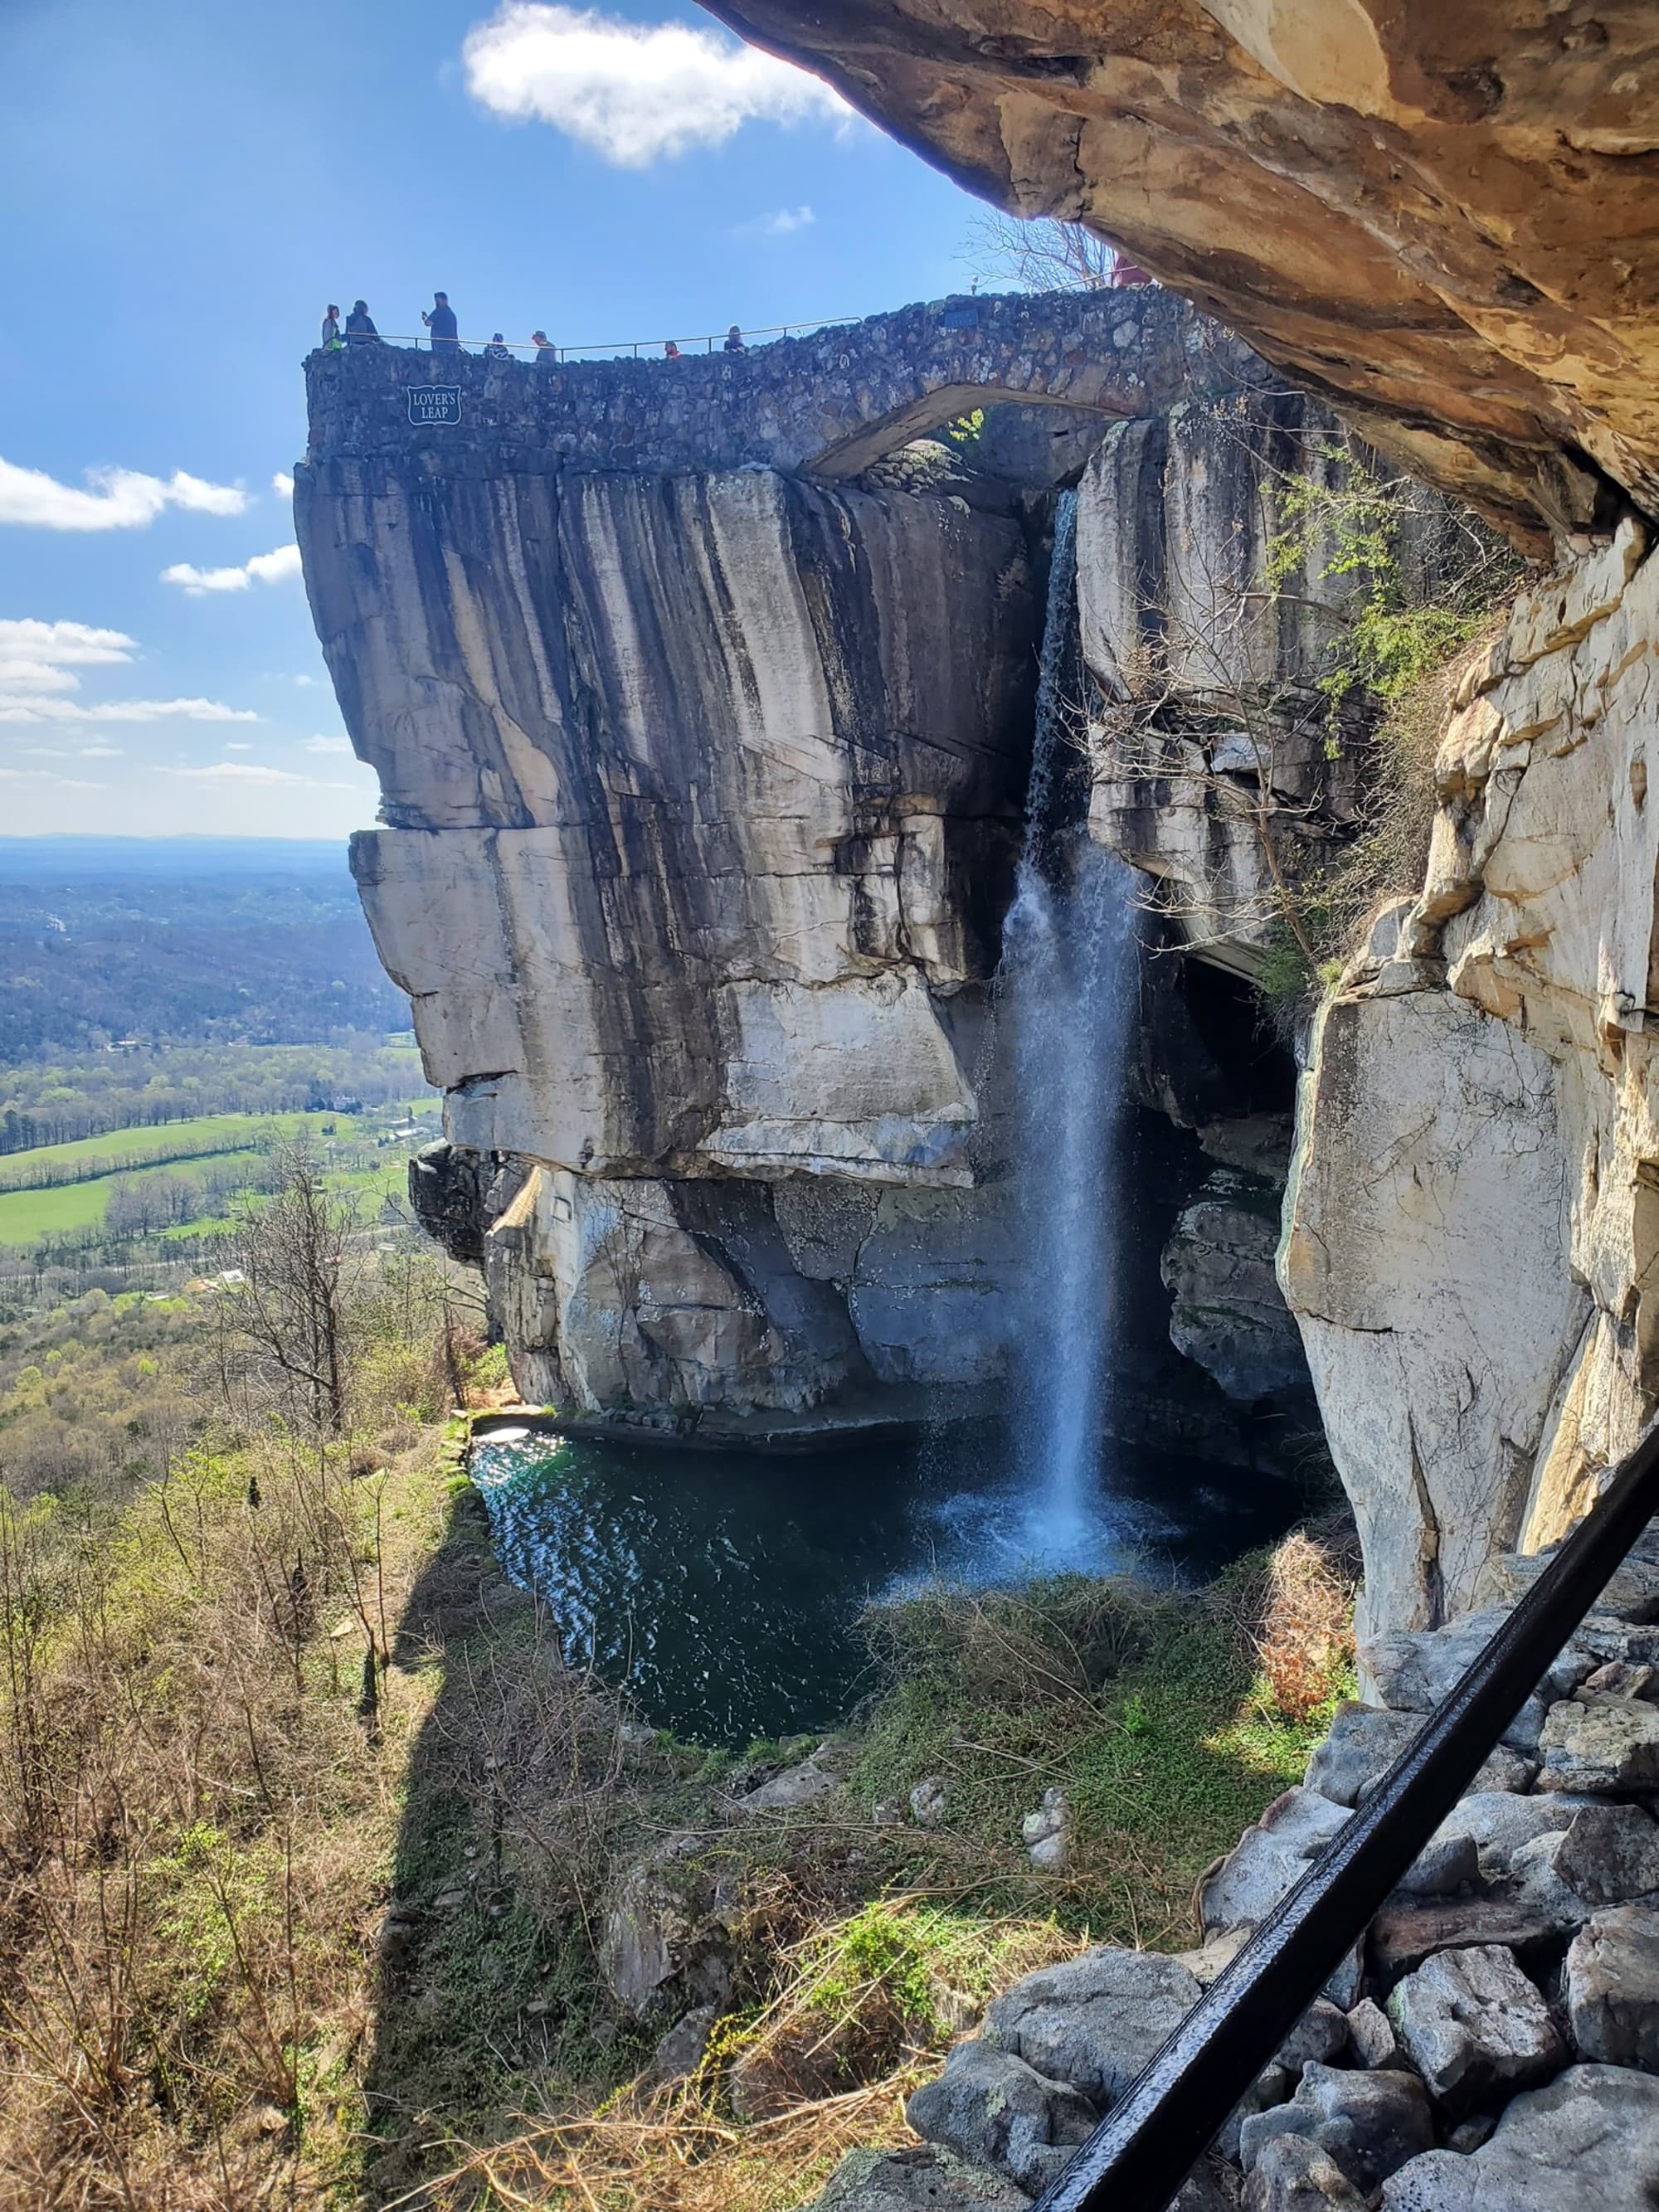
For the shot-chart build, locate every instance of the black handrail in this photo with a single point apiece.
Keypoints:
(1148, 2143)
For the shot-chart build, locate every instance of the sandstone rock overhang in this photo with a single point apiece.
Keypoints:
(828, 404)
(1440, 216)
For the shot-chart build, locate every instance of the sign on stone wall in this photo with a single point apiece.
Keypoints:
(435, 403)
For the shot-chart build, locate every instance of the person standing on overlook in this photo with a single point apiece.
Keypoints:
(734, 341)
(497, 350)
(547, 354)
(446, 331)
(330, 340)
(360, 330)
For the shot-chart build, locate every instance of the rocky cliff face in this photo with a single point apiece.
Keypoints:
(1472, 1240)
(1441, 220)
(701, 794)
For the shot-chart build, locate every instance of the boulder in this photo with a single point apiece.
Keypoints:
(796, 1786)
(666, 1937)
(1416, 1670)
(1403, 1935)
(922, 2177)
(1268, 1859)
(1229, 1314)
(679, 2052)
(1588, 2142)
(994, 2108)
(1368, 2125)
(1445, 1865)
(1612, 1987)
(1609, 1855)
(1293, 2174)
(929, 1802)
(1371, 2035)
(1607, 1744)
(1321, 2033)
(1500, 1824)
(1475, 2027)
(1364, 1742)
(1095, 2021)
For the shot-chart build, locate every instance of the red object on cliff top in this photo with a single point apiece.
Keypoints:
(1125, 272)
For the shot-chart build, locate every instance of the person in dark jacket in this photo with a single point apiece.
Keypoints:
(360, 331)
(734, 341)
(446, 331)
(497, 350)
(547, 354)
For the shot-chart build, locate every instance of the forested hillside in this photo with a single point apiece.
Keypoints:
(114, 943)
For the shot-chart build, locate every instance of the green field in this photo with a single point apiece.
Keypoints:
(103, 1161)
(26, 1214)
(208, 1134)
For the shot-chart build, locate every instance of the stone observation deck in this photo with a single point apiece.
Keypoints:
(828, 405)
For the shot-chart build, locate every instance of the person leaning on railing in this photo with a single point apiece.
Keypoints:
(547, 354)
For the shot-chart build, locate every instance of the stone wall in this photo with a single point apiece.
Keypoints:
(832, 402)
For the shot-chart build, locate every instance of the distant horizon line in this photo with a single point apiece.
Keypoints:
(169, 837)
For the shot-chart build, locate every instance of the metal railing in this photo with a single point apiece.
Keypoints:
(604, 349)
(1147, 2144)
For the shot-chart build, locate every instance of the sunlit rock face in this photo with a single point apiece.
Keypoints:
(702, 797)
(1472, 1243)
(1440, 216)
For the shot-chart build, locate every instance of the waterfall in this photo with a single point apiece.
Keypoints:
(1069, 986)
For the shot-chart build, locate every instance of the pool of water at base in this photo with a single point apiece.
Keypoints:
(723, 1589)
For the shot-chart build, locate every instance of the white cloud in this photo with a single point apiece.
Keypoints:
(36, 676)
(235, 772)
(328, 744)
(238, 745)
(112, 499)
(777, 225)
(635, 92)
(14, 709)
(263, 568)
(283, 484)
(63, 643)
(101, 752)
(37, 661)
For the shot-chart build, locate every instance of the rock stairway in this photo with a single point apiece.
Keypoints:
(1491, 2043)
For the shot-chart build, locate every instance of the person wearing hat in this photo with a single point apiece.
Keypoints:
(547, 354)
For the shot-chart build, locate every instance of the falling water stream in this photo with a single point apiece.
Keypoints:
(1069, 988)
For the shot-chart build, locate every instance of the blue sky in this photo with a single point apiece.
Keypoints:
(187, 184)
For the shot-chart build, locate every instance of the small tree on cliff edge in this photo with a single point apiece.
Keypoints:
(302, 1258)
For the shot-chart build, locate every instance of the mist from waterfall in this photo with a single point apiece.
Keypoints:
(1069, 988)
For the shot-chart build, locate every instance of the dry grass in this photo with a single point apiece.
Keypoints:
(863, 2008)
(1303, 1640)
